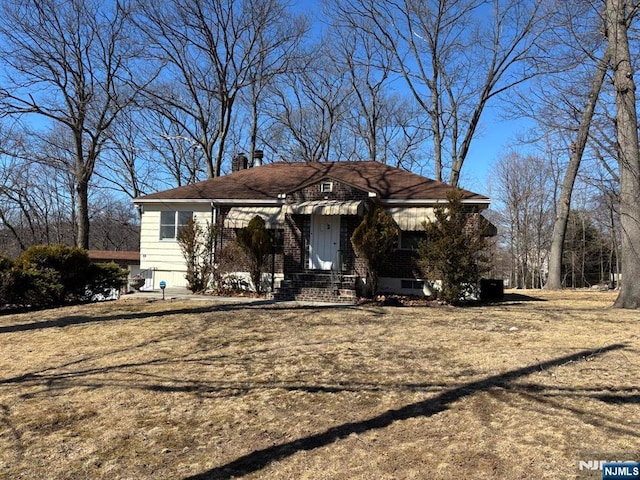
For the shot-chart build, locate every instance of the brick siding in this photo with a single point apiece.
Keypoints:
(293, 261)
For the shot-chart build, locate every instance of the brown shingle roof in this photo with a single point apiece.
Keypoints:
(119, 256)
(268, 181)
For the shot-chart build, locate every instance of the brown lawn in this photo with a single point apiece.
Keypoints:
(174, 390)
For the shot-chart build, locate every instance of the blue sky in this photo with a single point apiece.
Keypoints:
(494, 137)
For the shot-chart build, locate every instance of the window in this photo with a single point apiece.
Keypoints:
(412, 284)
(411, 240)
(171, 222)
(326, 187)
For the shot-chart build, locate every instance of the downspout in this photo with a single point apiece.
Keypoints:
(214, 224)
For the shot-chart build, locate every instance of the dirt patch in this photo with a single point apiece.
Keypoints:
(166, 390)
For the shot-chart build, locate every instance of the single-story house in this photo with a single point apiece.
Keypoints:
(314, 209)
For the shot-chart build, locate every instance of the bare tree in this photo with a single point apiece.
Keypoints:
(211, 51)
(563, 101)
(308, 110)
(455, 56)
(114, 224)
(132, 166)
(619, 15)
(384, 126)
(577, 150)
(36, 202)
(68, 62)
(525, 194)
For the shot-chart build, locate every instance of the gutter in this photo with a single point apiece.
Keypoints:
(208, 201)
(428, 202)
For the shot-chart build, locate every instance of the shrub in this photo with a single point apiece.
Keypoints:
(197, 244)
(229, 259)
(48, 275)
(454, 250)
(35, 287)
(6, 280)
(70, 263)
(256, 242)
(373, 240)
(103, 278)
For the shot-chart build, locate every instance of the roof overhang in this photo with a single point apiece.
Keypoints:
(211, 201)
(484, 202)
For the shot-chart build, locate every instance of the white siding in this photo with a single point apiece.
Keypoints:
(164, 256)
(394, 285)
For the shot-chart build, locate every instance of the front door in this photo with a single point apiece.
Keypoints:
(325, 241)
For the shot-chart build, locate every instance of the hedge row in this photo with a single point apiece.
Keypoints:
(50, 275)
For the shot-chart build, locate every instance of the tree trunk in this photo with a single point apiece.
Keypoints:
(554, 281)
(82, 191)
(628, 153)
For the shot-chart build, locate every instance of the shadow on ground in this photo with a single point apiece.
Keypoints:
(259, 459)
(222, 307)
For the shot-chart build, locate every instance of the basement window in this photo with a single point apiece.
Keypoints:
(412, 284)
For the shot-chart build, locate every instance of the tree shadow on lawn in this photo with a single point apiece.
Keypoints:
(257, 460)
(511, 298)
(226, 307)
(619, 399)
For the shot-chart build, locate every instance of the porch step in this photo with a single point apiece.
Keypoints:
(321, 288)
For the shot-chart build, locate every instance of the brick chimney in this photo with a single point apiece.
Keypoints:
(239, 162)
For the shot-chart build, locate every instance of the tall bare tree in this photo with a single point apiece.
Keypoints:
(68, 62)
(563, 209)
(384, 125)
(563, 101)
(308, 110)
(455, 57)
(211, 51)
(524, 193)
(36, 194)
(619, 15)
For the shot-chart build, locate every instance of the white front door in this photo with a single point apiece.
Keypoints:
(325, 241)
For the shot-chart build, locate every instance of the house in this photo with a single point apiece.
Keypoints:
(313, 208)
(127, 260)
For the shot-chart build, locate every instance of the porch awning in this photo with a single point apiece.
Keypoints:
(411, 218)
(328, 207)
(239, 217)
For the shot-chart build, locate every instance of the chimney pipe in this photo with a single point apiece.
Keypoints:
(257, 157)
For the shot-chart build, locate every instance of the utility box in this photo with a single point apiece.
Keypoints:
(491, 289)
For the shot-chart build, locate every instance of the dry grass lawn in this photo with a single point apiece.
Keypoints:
(135, 389)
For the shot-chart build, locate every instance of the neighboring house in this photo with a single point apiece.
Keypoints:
(130, 261)
(314, 208)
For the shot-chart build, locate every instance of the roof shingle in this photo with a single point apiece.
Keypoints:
(268, 181)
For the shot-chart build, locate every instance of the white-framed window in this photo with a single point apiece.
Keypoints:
(326, 187)
(171, 221)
